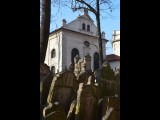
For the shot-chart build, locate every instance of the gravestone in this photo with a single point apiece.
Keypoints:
(45, 82)
(83, 77)
(87, 101)
(111, 102)
(87, 62)
(72, 110)
(54, 112)
(82, 65)
(52, 96)
(63, 89)
(77, 65)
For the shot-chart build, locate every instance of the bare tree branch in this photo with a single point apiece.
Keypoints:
(89, 6)
(94, 44)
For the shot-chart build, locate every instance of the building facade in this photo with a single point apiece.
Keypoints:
(77, 38)
(114, 61)
(116, 42)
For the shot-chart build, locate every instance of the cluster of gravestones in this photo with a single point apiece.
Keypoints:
(74, 95)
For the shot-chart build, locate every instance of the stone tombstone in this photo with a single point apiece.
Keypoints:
(105, 106)
(87, 61)
(63, 89)
(77, 65)
(111, 102)
(86, 108)
(100, 108)
(45, 82)
(72, 110)
(54, 112)
(83, 77)
(52, 96)
(97, 76)
(115, 103)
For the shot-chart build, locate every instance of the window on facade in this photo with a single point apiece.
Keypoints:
(53, 53)
(74, 53)
(83, 26)
(86, 43)
(88, 27)
(53, 69)
(96, 61)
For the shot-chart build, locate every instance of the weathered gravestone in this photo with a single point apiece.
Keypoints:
(71, 113)
(87, 101)
(54, 112)
(63, 89)
(77, 65)
(111, 102)
(83, 69)
(83, 77)
(45, 82)
(52, 96)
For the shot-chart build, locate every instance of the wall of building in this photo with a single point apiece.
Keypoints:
(114, 64)
(55, 42)
(75, 40)
(116, 42)
(116, 48)
(76, 25)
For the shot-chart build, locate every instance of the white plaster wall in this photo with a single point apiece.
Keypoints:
(55, 42)
(76, 41)
(116, 48)
(76, 25)
(70, 40)
(114, 64)
(116, 44)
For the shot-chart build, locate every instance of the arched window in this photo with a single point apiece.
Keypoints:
(53, 53)
(96, 61)
(74, 53)
(83, 26)
(88, 27)
(53, 69)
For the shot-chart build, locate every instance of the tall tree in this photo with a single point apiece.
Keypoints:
(44, 28)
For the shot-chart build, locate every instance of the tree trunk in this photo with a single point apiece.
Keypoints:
(45, 28)
(99, 35)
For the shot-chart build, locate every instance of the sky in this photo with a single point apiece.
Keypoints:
(108, 22)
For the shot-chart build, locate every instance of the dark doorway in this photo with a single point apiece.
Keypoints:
(74, 54)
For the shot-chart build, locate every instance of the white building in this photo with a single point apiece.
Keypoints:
(79, 37)
(116, 42)
(114, 59)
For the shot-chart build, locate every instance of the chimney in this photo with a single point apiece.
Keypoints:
(64, 22)
(103, 34)
(85, 10)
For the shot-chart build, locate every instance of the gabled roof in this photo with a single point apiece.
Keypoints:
(86, 16)
(112, 57)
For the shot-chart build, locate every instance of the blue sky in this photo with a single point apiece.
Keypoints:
(108, 22)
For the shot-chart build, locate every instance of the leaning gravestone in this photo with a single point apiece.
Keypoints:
(52, 96)
(87, 101)
(63, 89)
(77, 64)
(111, 102)
(72, 110)
(83, 77)
(54, 112)
(45, 81)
